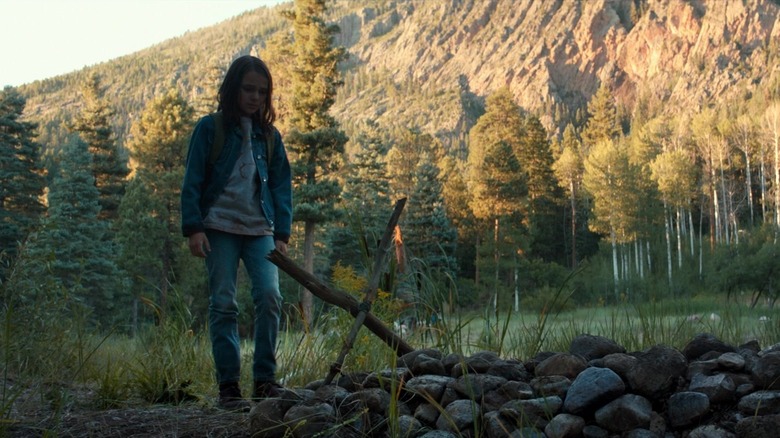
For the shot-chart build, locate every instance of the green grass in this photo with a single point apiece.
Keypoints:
(169, 363)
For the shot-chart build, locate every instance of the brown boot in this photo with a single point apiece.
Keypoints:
(230, 398)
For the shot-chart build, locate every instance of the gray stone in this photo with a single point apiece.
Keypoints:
(535, 412)
(620, 363)
(308, 419)
(592, 389)
(732, 361)
(625, 413)
(719, 388)
(509, 370)
(387, 378)
(527, 432)
(760, 403)
(497, 426)
(407, 360)
(706, 367)
(561, 364)
(593, 347)
(511, 390)
(687, 408)
(477, 363)
(429, 387)
(766, 370)
(593, 431)
(331, 394)
(704, 343)
(551, 385)
(565, 426)
(710, 431)
(427, 414)
(474, 386)
(656, 372)
(376, 400)
(766, 426)
(266, 418)
(427, 365)
(458, 415)
(409, 426)
(452, 360)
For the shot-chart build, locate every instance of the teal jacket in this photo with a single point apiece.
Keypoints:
(204, 181)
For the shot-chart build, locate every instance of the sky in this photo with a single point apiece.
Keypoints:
(44, 38)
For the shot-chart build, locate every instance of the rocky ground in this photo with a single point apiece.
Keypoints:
(596, 389)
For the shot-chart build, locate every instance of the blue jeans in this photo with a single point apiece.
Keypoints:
(222, 265)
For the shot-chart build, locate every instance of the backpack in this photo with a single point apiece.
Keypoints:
(219, 139)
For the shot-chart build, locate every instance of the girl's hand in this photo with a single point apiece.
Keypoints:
(199, 244)
(281, 246)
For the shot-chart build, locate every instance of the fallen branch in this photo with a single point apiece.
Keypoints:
(340, 299)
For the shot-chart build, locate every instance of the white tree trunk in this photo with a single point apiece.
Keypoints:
(615, 274)
(668, 246)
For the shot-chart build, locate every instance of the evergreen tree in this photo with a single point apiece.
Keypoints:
(73, 237)
(603, 122)
(366, 199)
(544, 195)
(139, 236)
(315, 139)
(204, 100)
(158, 149)
(430, 236)
(93, 124)
(21, 177)
(409, 149)
(456, 202)
(498, 184)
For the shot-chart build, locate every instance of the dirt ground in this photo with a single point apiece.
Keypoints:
(67, 411)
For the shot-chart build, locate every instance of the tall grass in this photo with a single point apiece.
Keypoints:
(46, 341)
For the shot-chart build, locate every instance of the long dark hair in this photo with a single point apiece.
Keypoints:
(231, 86)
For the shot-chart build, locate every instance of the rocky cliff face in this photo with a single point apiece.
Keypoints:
(558, 52)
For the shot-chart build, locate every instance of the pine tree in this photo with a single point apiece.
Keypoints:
(315, 139)
(603, 122)
(544, 195)
(456, 202)
(497, 183)
(21, 177)
(204, 100)
(93, 124)
(408, 150)
(430, 236)
(158, 149)
(366, 199)
(73, 237)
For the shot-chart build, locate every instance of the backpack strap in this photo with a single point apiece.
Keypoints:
(219, 137)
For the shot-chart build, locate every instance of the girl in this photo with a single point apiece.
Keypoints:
(239, 207)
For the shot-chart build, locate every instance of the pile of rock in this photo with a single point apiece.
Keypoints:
(596, 389)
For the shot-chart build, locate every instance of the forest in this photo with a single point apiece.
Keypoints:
(611, 197)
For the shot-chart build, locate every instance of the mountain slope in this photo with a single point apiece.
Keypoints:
(429, 64)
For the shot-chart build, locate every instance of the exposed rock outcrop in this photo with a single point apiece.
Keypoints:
(559, 52)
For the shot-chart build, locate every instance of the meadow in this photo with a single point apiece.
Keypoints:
(50, 358)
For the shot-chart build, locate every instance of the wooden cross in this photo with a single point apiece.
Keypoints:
(361, 311)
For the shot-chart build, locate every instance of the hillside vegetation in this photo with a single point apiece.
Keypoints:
(678, 100)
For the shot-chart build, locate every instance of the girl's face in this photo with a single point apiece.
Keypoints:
(253, 93)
